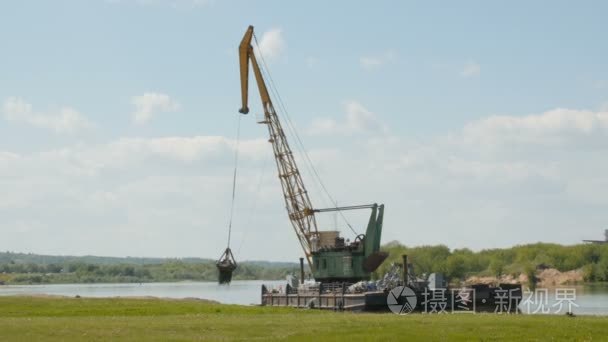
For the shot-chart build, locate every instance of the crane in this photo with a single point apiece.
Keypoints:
(327, 255)
(296, 197)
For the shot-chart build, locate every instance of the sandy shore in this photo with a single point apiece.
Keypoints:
(546, 278)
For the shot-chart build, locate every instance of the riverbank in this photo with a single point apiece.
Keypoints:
(56, 318)
(549, 277)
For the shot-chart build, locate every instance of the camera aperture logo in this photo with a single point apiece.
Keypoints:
(401, 300)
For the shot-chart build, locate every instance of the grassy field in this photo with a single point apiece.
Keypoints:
(79, 319)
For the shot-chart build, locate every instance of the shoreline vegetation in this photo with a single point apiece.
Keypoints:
(30, 269)
(117, 319)
(539, 264)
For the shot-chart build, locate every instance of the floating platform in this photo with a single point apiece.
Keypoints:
(477, 298)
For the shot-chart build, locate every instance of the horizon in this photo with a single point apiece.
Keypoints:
(286, 261)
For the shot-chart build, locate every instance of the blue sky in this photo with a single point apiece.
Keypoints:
(466, 119)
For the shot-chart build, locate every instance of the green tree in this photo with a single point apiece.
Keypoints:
(497, 266)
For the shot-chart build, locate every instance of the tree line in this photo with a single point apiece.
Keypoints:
(21, 269)
(458, 264)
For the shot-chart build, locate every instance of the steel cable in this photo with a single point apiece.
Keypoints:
(299, 144)
(236, 163)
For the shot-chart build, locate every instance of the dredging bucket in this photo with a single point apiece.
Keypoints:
(225, 266)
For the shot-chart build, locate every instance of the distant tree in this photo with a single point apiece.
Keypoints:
(455, 267)
(497, 266)
(530, 272)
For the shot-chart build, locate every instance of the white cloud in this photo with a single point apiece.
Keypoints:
(148, 104)
(497, 181)
(551, 127)
(535, 177)
(124, 153)
(370, 62)
(600, 84)
(78, 199)
(471, 69)
(64, 120)
(272, 44)
(375, 61)
(358, 119)
(185, 149)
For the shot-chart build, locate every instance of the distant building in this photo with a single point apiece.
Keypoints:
(599, 241)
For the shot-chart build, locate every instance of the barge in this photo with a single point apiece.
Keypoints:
(400, 295)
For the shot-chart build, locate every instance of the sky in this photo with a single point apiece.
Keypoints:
(478, 124)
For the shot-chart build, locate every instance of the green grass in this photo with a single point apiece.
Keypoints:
(65, 319)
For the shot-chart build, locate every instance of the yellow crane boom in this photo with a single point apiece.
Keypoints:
(299, 208)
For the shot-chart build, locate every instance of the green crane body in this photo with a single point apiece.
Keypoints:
(354, 262)
(335, 261)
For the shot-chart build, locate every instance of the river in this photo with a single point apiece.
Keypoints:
(243, 292)
(588, 299)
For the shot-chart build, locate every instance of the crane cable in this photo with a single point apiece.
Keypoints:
(251, 219)
(299, 143)
(290, 127)
(236, 163)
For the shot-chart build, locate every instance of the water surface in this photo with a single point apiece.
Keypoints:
(590, 299)
(238, 292)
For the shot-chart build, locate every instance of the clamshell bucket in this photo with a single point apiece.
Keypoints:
(226, 265)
